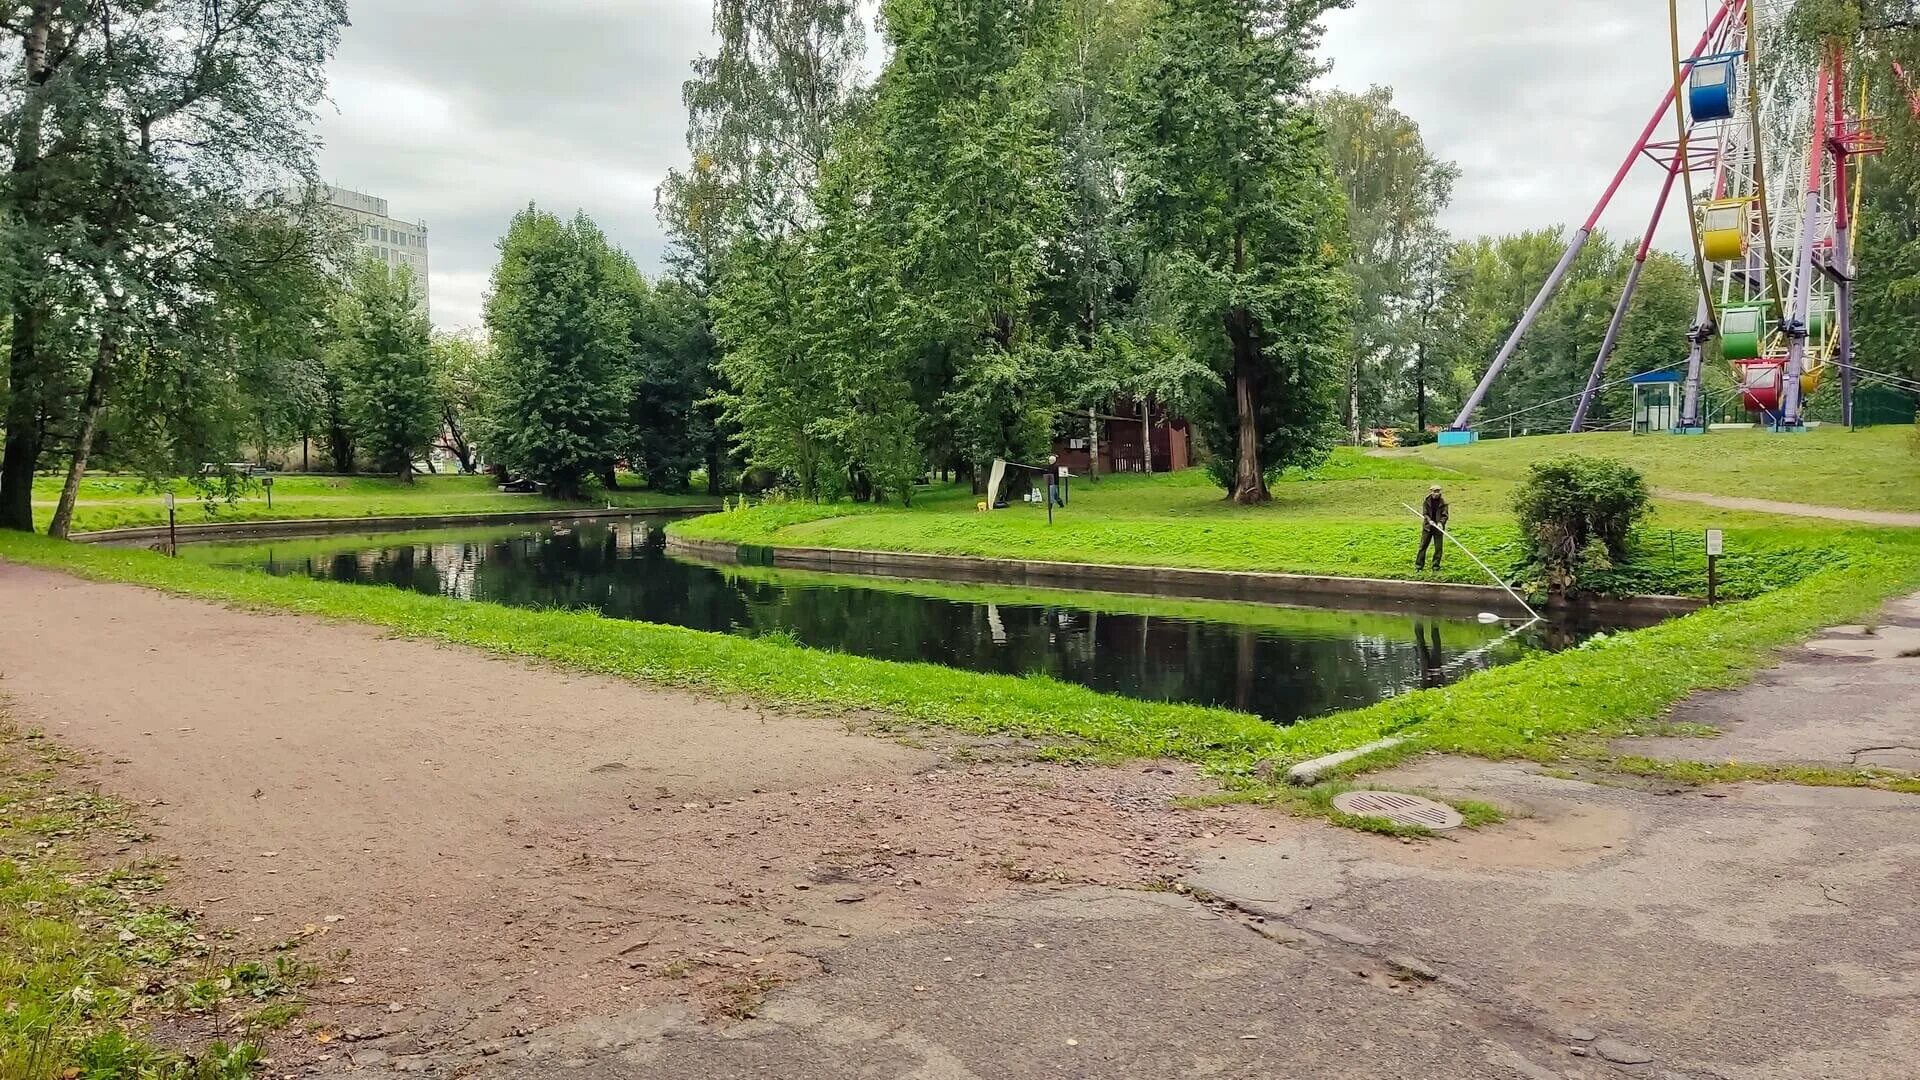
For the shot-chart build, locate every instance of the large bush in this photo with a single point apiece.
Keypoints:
(1576, 513)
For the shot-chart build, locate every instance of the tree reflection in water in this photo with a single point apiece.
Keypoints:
(1290, 664)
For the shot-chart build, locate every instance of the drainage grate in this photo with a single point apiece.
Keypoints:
(1397, 808)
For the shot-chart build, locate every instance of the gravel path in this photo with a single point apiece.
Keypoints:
(1898, 518)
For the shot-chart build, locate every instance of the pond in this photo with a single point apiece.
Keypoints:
(1281, 663)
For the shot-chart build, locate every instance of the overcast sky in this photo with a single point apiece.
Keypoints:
(459, 112)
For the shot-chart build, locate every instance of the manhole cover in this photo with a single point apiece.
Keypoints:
(1397, 808)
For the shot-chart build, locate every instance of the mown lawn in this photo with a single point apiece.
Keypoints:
(1871, 469)
(112, 502)
(1349, 518)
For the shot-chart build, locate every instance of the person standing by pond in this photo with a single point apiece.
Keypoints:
(1433, 522)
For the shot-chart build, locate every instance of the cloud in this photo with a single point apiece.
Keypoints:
(1538, 102)
(460, 112)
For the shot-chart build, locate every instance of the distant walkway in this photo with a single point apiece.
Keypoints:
(1899, 518)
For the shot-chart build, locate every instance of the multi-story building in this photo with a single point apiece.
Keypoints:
(381, 236)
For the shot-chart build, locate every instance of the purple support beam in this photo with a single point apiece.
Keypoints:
(1526, 321)
(1696, 346)
(1607, 344)
(1796, 328)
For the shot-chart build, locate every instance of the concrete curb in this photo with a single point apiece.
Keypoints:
(1308, 773)
(1380, 593)
(245, 530)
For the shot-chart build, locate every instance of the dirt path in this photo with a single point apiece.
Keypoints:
(536, 874)
(1898, 518)
(500, 845)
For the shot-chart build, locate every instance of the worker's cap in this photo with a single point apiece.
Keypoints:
(1435, 488)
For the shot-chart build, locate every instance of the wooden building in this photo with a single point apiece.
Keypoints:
(1117, 436)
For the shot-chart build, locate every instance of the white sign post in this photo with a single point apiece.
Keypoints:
(1716, 546)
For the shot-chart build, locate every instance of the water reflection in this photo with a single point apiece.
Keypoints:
(1279, 663)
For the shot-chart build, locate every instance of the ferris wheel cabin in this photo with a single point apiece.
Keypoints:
(1710, 90)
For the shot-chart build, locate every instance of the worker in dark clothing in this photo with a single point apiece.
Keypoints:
(1433, 519)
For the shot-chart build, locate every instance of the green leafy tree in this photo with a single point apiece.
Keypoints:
(763, 111)
(1887, 236)
(667, 423)
(1236, 194)
(967, 201)
(460, 374)
(560, 319)
(1395, 190)
(393, 391)
(136, 129)
(1492, 279)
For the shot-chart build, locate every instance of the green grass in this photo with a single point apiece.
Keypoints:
(1871, 469)
(114, 502)
(1544, 707)
(88, 959)
(1699, 773)
(1347, 519)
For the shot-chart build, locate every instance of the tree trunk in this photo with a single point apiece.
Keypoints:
(461, 451)
(1420, 387)
(1353, 401)
(1249, 483)
(610, 477)
(1146, 434)
(22, 453)
(24, 379)
(89, 423)
(16, 471)
(1093, 442)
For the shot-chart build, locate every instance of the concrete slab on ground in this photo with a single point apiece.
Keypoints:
(1083, 983)
(1847, 698)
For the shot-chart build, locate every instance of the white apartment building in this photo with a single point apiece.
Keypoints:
(381, 236)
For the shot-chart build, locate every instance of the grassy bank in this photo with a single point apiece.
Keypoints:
(114, 502)
(1544, 706)
(1871, 469)
(89, 963)
(1348, 519)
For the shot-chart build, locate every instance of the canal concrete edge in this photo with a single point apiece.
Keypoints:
(247, 530)
(1242, 585)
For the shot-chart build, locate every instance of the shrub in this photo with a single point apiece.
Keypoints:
(1577, 513)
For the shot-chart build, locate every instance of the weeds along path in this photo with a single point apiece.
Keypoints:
(498, 846)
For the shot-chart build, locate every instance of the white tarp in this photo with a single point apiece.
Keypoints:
(994, 478)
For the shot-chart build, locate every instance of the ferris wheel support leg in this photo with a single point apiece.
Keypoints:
(1691, 422)
(1844, 325)
(1796, 328)
(1526, 322)
(1606, 347)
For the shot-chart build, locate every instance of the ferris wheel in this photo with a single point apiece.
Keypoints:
(1763, 138)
